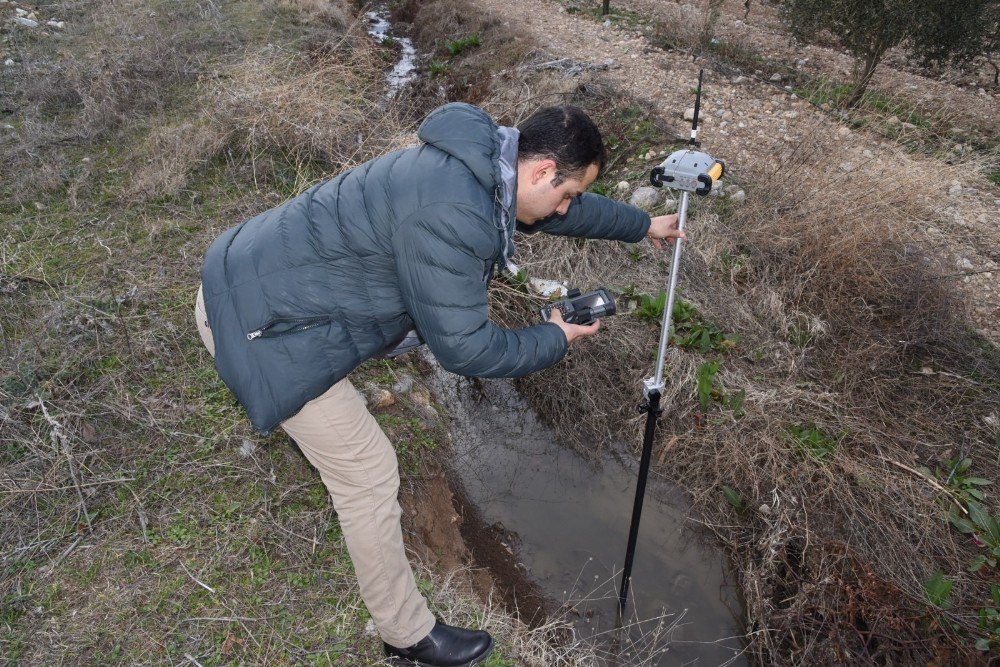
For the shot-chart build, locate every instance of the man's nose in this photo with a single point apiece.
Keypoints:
(563, 208)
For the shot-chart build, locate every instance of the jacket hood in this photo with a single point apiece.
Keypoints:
(468, 134)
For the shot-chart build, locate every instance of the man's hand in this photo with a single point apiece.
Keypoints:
(664, 227)
(573, 331)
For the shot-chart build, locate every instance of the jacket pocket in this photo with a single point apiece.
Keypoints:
(284, 326)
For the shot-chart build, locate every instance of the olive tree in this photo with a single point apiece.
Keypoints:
(932, 30)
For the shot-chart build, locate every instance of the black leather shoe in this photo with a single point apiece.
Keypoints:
(445, 646)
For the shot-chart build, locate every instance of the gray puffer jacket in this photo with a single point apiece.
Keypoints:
(300, 295)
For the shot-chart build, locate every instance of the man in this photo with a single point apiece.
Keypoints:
(295, 298)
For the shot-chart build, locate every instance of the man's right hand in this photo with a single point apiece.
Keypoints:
(573, 331)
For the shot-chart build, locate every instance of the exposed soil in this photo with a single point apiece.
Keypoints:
(449, 533)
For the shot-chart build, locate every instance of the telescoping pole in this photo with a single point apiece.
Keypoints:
(687, 170)
(653, 389)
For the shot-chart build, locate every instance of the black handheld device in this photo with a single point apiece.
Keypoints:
(580, 308)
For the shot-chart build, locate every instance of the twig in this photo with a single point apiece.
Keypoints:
(64, 488)
(69, 549)
(196, 580)
(61, 441)
(930, 481)
(195, 662)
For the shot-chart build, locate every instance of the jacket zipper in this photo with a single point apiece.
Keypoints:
(297, 324)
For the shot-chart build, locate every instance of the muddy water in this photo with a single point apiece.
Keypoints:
(569, 521)
(405, 69)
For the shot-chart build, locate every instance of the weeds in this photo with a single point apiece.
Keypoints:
(813, 443)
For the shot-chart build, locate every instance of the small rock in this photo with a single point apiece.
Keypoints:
(247, 448)
(39, 206)
(926, 370)
(843, 131)
(379, 398)
(370, 629)
(739, 197)
(955, 190)
(689, 114)
(670, 205)
(404, 385)
(764, 509)
(775, 77)
(27, 23)
(607, 23)
(9, 62)
(86, 159)
(892, 120)
(909, 126)
(720, 113)
(20, 12)
(7, 126)
(32, 16)
(59, 25)
(868, 154)
(801, 62)
(647, 197)
(622, 187)
(847, 166)
(964, 264)
(791, 114)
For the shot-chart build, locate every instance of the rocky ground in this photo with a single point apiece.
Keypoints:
(755, 125)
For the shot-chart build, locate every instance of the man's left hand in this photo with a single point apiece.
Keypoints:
(664, 227)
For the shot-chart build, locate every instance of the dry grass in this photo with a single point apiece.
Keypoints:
(847, 325)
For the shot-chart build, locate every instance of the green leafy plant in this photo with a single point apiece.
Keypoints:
(651, 309)
(952, 474)
(813, 443)
(984, 529)
(937, 589)
(989, 620)
(456, 46)
(438, 68)
(706, 383)
(693, 332)
(734, 498)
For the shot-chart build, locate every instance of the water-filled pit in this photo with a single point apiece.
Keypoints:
(571, 519)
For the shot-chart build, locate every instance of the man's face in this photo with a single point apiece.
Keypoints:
(537, 198)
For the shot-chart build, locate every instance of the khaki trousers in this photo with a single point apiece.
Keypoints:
(358, 466)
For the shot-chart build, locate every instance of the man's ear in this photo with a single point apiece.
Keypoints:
(543, 170)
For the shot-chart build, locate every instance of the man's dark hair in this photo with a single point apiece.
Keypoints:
(564, 134)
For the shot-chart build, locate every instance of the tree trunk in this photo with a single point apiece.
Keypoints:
(606, 8)
(861, 83)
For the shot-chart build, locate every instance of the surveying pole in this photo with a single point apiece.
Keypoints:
(687, 170)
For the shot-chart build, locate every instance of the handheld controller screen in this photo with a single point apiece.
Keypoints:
(580, 308)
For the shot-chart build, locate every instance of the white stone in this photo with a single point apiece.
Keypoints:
(689, 114)
(647, 197)
(607, 23)
(739, 196)
(27, 23)
(622, 187)
(964, 264)
(844, 131)
(791, 114)
(21, 12)
(801, 62)
(59, 25)
(909, 126)
(955, 190)
(868, 154)
(775, 77)
(9, 62)
(846, 166)
(720, 113)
